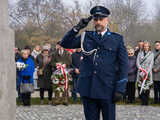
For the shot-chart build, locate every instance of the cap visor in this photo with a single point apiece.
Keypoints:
(99, 15)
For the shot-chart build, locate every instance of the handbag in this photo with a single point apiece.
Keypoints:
(26, 87)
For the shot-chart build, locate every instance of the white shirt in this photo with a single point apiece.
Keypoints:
(102, 33)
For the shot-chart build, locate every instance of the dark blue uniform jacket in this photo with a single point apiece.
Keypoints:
(105, 72)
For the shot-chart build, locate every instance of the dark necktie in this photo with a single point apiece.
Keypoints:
(100, 36)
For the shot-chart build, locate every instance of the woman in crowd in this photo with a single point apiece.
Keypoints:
(131, 76)
(145, 62)
(36, 51)
(25, 76)
(44, 74)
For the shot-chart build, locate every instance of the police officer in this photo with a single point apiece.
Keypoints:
(104, 68)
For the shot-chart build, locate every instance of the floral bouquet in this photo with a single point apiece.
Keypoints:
(145, 81)
(21, 66)
(61, 77)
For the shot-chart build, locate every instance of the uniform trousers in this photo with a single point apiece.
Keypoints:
(93, 107)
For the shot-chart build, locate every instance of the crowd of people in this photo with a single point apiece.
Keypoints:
(42, 62)
(144, 69)
(38, 67)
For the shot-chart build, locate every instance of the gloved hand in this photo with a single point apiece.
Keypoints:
(82, 24)
(117, 97)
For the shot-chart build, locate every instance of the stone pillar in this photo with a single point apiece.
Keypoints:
(7, 67)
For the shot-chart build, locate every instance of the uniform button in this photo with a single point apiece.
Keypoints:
(97, 56)
(95, 72)
(96, 64)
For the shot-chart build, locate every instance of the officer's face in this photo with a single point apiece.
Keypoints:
(101, 23)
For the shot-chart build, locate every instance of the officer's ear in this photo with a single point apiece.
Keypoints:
(107, 20)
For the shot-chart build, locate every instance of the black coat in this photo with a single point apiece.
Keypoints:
(44, 81)
(132, 74)
(76, 60)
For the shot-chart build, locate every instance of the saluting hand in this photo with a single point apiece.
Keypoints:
(82, 24)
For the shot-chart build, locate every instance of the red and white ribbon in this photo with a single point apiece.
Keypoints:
(62, 67)
(144, 79)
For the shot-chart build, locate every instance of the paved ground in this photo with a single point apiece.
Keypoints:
(75, 112)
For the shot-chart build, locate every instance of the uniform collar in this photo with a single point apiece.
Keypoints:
(102, 33)
(107, 31)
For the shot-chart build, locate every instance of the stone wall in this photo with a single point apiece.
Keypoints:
(7, 67)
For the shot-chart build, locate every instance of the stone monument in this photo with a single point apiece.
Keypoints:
(7, 67)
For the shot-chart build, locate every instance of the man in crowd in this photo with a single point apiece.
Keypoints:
(63, 57)
(156, 72)
(139, 48)
(104, 68)
(17, 53)
(17, 56)
(76, 59)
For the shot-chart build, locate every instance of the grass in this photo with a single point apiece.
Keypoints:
(37, 101)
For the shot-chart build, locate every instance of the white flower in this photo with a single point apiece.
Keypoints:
(58, 89)
(55, 81)
(21, 65)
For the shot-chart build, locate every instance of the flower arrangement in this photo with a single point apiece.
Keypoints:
(145, 81)
(21, 66)
(61, 77)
